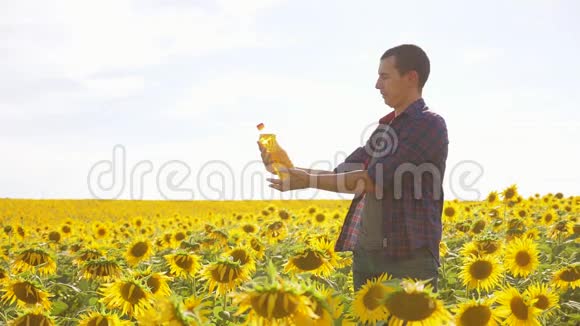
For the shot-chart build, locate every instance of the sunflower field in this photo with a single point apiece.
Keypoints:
(506, 260)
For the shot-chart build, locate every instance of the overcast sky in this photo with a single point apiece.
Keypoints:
(179, 87)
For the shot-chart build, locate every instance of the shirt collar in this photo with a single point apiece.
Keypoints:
(412, 110)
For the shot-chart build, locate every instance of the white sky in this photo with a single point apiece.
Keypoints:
(189, 80)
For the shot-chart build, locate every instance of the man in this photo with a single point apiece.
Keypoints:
(393, 224)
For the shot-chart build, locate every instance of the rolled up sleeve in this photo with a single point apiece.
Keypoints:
(355, 161)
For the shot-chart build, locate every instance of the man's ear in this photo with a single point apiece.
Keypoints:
(413, 77)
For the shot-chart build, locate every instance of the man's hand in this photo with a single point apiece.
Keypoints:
(293, 179)
(267, 159)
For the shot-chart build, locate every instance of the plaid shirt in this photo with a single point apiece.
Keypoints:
(410, 220)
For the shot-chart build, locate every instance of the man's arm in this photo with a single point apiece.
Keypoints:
(353, 182)
(312, 171)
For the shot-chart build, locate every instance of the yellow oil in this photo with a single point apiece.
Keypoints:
(278, 159)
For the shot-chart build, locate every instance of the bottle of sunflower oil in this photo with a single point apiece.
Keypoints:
(276, 154)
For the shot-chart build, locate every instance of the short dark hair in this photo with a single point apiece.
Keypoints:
(410, 57)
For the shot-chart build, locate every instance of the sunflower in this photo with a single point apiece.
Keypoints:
(258, 247)
(544, 298)
(34, 317)
(568, 276)
(320, 218)
(156, 282)
(367, 304)
(532, 234)
(283, 214)
(220, 237)
(242, 255)
(35, 259)
(449, 212)
(516, 309)
(167, 311)
(87, 254)
(275, 232)
(26, 295)
(54, 236)
(183, 264)
(326, 306)
(138, 222)
(480, 272)
(94, 318)
(225, 275)
(101, 231)
(549, 217)
(325, 245)
(66, 230)
(3, 276)
(492, 198)
(101, 269)
(140, 249)
(573, 227)
(272, 304)
(415, 305)
(311, 260)
(249, 228)
(195, 307)
(179, 236)
(521, 257)
(476, 313)
(481, 248)
(131, 296)
(558, 229)
(443, 249)
(510, 193)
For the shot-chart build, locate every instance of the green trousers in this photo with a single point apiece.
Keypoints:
(370, 264)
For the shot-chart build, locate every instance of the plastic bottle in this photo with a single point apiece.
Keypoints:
(276, 154)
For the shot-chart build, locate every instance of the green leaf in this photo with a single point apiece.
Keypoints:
(93, 301)
(58, 307)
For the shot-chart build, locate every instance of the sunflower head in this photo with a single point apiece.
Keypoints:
(515, 308)
(476, 313)
(325, 304)
(26, 294)
(368, 300)
(131, 296)
(35, 259)
(416, 303)
(95, 318)
(156, 282)
(568, 277)
(167, 311)
(244, 256)
(276, 303)
(522, 257)
(87, 254)
(182, 264)
(225, 275)
(101, 269)
(480, 272)
(510, 193)
(139, 250)
(32, 317)
(198, 308)
(542, 297)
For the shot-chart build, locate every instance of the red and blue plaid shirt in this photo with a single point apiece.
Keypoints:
(411, 218)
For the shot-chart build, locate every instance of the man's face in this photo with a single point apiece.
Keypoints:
(393, 86)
